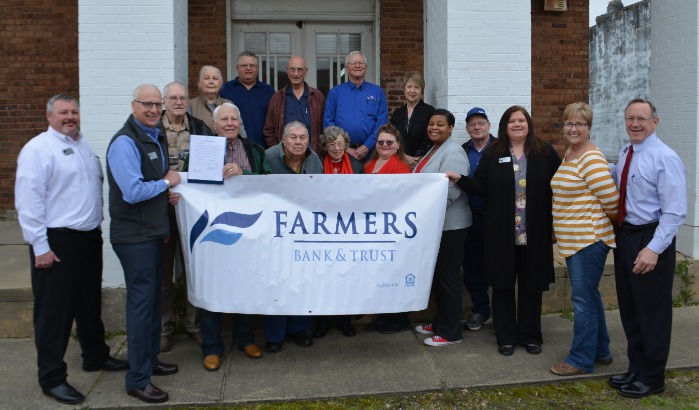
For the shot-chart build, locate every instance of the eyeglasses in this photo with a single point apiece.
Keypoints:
(295, 70)
(173, 98)
(148, 105)
(247, 65)
(631, 120)
(356, 63)
(387, 143)
(479, 123)
(336, 145)
(575, 124)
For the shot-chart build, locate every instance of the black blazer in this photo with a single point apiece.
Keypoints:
(496, 181)
(414, 132)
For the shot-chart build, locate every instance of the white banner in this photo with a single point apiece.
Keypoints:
(312, 244)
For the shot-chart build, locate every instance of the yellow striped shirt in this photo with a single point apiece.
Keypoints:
(585, 201)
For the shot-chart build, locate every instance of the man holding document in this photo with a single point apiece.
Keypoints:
(242, 156)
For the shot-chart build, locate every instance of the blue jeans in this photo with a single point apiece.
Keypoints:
(276, 326)
(590, 336)
(212, 342)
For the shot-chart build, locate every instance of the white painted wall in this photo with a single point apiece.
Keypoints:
(120, 47)
(478, 53)
(675, 92)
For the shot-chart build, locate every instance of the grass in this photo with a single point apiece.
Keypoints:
(682, 392)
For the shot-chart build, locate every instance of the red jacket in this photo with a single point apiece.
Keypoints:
(274, 123)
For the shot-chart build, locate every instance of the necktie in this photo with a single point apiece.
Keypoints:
(622, 187)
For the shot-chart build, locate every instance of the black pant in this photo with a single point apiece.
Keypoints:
(518, 322)
(645, 305)
(447, 285)
(70, 289)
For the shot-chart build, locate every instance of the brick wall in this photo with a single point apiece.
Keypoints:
(560, 66)
(39, 53)
(207, 38)
(402, 46)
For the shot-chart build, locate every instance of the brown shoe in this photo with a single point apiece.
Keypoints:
(564, 369)
(252, 351)
(196, 336)
(165, 343)
(212, 362)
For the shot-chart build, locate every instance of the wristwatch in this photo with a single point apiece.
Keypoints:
(167, 181)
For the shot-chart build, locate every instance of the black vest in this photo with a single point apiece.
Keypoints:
(146, 220)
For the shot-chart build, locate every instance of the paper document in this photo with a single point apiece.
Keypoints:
(206, 159)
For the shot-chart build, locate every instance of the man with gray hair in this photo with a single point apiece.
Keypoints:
(292, 156)
(177, 125)
(357, 106)
(58, 196)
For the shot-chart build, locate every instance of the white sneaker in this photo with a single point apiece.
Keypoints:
(425, 329)
(439, 341)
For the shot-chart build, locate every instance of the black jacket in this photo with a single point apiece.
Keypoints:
(414, 132)
(495, 180)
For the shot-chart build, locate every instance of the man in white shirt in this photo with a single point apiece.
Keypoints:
(58, 196)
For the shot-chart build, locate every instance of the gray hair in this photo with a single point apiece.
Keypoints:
(226, 105)
(247, 54)
(167, 88)
(60, 97)
(347, 59)
(294, 125)
(329, 135)
(210, 67)
(143, 86)
(643, 101)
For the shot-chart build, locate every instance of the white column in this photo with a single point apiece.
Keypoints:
(478, 53)
(122, 45)
(675, 92)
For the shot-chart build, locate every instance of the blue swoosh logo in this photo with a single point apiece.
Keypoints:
(236, 219)
(222, 237)
(198, 228)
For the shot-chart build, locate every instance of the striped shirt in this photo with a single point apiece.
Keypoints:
(585, 201)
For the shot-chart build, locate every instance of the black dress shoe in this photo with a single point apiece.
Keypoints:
(321, 330)
(506, 350)
(533, 349)
(619, 380)
(347, 330)
(65, 393)
(301, 339)
(273, 347)
(149, 394)
(395, 326)
(164, 369)
(637, 389)
(110, 365)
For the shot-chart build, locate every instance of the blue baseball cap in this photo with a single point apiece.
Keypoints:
(476, 111)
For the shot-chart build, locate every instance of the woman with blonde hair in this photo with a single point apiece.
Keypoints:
(585, 201)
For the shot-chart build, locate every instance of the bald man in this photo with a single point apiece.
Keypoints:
(297, 101)
(139, 178)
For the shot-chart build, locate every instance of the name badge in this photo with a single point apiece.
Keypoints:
(153, 155)
(505, 159)
(68, 151)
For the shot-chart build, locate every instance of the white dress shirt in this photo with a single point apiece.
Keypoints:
(58, 185)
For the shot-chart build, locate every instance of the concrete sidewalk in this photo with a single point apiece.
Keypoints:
(334, 366)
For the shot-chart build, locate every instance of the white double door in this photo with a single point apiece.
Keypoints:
(323, 45)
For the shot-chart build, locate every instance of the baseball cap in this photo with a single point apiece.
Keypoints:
(476, 111)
